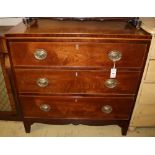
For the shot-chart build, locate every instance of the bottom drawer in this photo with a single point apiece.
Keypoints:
(106, 108)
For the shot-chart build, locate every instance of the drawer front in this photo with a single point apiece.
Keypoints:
(147, 94)
(77, 107)
(150, 75)
(76, 54)
(64, 81)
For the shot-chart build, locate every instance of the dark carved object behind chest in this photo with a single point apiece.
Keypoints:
(62, 69)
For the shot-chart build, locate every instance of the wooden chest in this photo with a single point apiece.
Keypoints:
(62, 69)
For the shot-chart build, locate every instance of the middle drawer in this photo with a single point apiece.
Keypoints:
(75, 81)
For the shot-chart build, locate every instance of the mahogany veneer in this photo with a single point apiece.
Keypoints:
(75, 81)
(68, 83)
(75, 54)
(77, 107)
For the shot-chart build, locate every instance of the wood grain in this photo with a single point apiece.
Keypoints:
(77, 54)
(66, 81)
(107, 29)
(77, 107)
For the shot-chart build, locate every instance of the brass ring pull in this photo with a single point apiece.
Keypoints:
(115, 55)
(111, 83)
(42, 82)
(40, 54)
(106, 109)
(45, 107)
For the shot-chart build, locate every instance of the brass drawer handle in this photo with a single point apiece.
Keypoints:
(42, 82)
(111, 83)
(40, 54)
(106, 109)
(45, 107)
(115, 55)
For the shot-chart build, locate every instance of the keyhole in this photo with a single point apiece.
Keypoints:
(76, 74)
(76, 100)
(77, 46)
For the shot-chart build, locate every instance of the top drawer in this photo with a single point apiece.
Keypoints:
(76, 54)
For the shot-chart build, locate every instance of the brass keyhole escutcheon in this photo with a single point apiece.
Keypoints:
(77, 46)
(76, 74)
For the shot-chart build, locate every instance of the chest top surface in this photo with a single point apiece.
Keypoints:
(71, 28)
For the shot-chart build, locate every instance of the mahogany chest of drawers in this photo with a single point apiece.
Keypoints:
(61, 71)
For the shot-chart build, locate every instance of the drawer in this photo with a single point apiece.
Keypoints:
(75, 54)
(150, 75)
(147, 95)
(77, 107)
(69, 81)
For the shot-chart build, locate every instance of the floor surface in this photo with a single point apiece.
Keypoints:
(16, 129)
